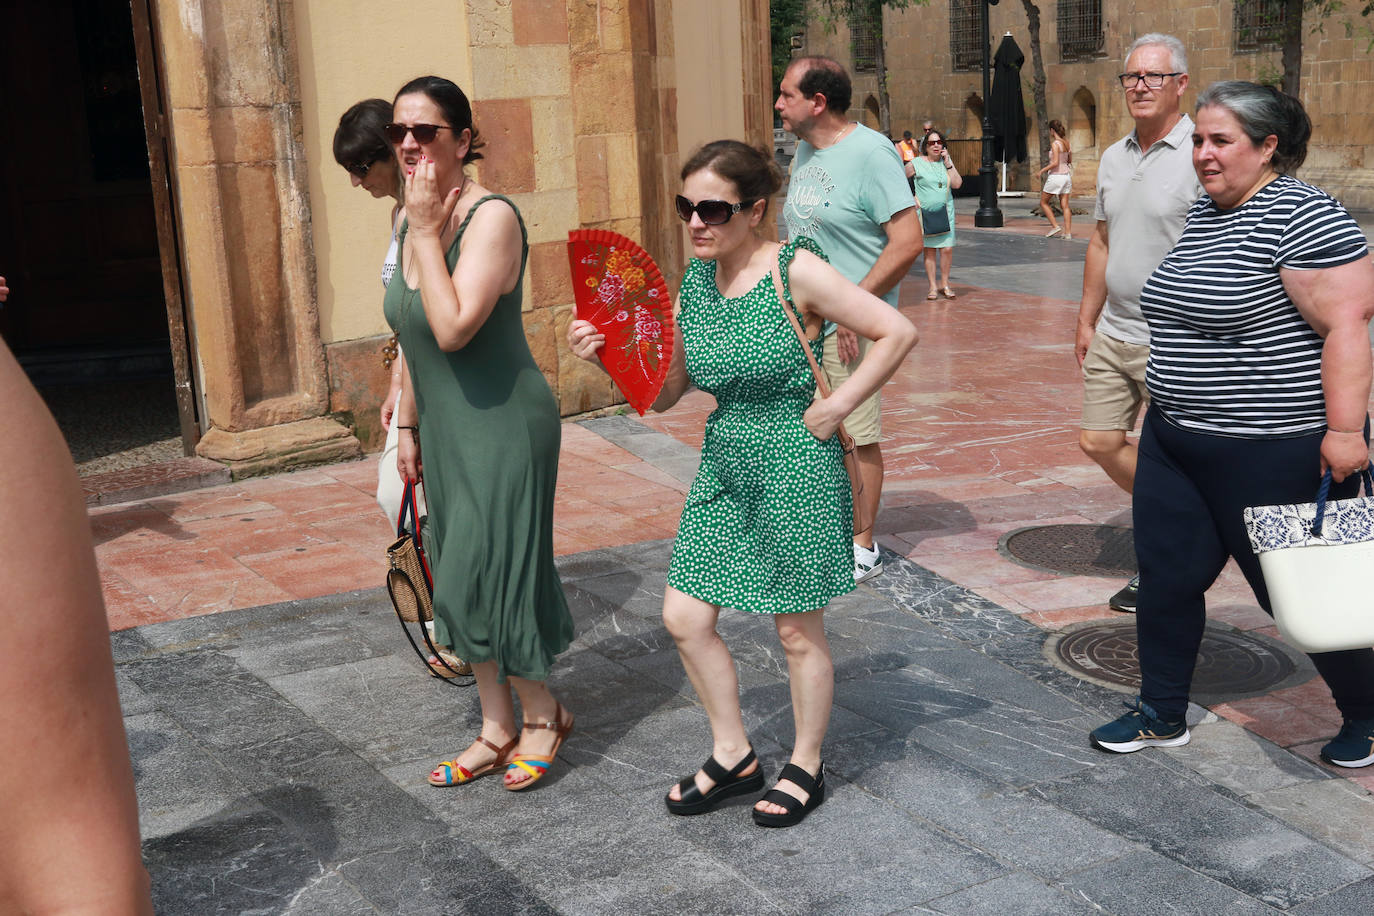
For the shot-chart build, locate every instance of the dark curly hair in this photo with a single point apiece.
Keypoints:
(749, 168)
(358, 140)
(826, 76)
(453, 103)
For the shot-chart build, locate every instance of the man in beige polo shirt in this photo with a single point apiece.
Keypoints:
(1145, 185)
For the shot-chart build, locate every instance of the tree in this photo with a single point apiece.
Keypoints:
(785, 19)
(1292, 33)
(1038, 81)
(869, 14)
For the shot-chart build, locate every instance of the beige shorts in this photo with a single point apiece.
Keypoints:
(1058, 184)
(864, 423)
(1113, 383)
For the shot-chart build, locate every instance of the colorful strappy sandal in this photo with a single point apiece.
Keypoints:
(451, 773)
(536, 766)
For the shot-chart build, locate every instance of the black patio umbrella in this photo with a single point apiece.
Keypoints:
(1006, 113)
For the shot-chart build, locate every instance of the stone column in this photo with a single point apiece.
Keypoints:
(230, 76)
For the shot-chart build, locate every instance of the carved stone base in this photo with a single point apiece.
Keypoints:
(279, 448)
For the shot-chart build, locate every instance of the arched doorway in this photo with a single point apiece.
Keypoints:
(972, 125)
(872, 114)
(1083, 123)
(88, 315)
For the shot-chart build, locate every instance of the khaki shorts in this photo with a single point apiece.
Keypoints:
(1113, 383)
(864, 423)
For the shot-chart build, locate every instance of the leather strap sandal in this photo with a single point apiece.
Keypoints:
(536, 766)
(451, 773)
(727, 784)
(797, 810)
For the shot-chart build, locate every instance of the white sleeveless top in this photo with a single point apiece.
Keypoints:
(392, 253)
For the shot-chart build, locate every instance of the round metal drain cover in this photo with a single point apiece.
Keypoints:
(1073, 550)
(1231, 664)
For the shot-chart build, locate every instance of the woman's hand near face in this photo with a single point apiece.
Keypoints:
(427, 211)
(584, 339)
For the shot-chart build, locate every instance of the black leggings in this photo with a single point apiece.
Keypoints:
(1190, 492)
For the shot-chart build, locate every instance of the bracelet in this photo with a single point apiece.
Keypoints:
(416, 428)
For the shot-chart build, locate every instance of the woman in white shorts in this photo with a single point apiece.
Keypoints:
(1059, 182)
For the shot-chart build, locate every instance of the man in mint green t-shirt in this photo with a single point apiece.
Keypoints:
(848, 192)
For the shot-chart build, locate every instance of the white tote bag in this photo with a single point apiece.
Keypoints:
(1318, 564)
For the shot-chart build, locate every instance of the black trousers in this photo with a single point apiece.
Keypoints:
(1190, 492)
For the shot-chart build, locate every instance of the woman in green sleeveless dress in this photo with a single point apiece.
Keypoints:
(767, 524)
(481, 427)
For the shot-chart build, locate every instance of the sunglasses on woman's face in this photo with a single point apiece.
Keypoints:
(423, 133)
(712, 212)
(359, 170)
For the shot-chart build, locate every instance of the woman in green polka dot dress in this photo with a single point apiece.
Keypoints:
(767, 524)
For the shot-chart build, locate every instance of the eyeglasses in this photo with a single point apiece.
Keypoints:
(712, 212)
(424, 133)
(359, 170)
(930, 142)
(1151, 80)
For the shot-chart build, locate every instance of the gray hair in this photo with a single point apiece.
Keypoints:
(1178, 55)
(1264, 111)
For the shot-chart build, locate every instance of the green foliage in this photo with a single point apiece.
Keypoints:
(785, 19)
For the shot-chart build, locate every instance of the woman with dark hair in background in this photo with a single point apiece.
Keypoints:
(1059, 183)
(767, 524)
(1259, 378)
(480, 426)
(362, 149)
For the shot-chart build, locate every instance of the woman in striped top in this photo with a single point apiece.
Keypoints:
(1259, 380)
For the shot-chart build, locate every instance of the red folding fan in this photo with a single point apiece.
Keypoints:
(620, 289)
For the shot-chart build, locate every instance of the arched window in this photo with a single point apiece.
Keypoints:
(973, 116)
(872, 117)
(1083, 121)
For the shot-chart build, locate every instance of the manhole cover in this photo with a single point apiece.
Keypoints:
(1073, 550)
(1231, 664)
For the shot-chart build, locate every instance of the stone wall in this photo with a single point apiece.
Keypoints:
(1338, 73)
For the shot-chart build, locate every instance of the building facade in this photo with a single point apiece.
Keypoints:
(258, 263)
(933, 59)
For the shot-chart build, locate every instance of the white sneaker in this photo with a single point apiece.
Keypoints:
(1053, 232)
(867, 563)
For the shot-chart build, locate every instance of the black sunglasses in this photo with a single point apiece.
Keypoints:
(424, 133)
(359, 170)
(712, 212)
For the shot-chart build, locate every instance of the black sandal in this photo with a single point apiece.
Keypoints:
(727, 784)
(797, 810)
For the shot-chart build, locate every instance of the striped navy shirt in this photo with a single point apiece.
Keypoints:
(1229, 352)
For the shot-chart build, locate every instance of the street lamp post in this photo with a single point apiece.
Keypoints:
(989, 216)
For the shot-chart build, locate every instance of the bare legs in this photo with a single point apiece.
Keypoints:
(946, 259)
(1068, 215)
(498, 719)
(1049, 211)
(871, 471)
(711, 670)
(812, 679)
(692, 624)
(1113, 452)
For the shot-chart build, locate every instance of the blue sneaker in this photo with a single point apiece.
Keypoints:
(1140, 728)
(1353, 746)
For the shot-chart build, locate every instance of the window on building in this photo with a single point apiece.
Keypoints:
(965, 33)
(1080, 29)
(1258, 24)
(863, 43)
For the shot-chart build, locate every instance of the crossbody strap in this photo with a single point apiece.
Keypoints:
(846, 440)
(821, 385)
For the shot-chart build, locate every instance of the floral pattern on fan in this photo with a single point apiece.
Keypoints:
(1347, 521)
(620, 289)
